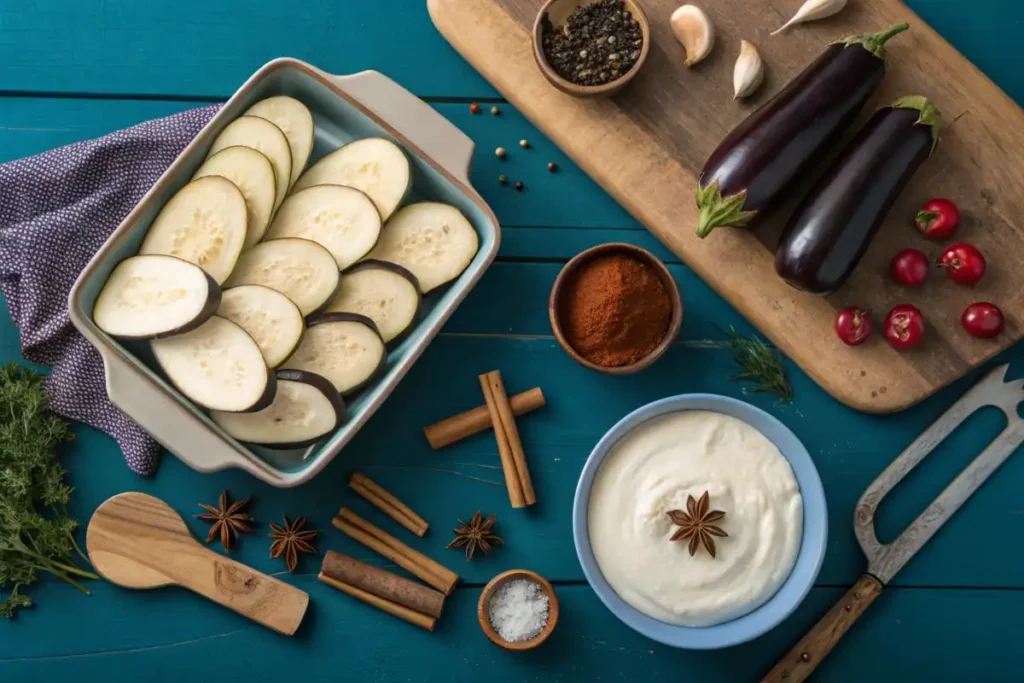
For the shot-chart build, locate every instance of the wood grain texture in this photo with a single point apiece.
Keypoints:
(646, 146)
(807, 654)
(138, 541)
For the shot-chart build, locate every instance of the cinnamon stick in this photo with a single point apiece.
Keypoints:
(378, 540)
(394, 609)
(508, 422)
(508, 463)
(388, 504)
(383, 584)
(458, 427)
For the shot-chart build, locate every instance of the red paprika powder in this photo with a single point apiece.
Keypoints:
(616, 310)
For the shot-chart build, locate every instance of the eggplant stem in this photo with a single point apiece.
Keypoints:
(716, 211)
(874, 42)
(929, 114)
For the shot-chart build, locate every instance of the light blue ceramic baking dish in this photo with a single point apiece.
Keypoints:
(812, 545)
(344, 108)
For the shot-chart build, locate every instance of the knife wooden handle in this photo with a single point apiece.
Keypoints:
(805, 656)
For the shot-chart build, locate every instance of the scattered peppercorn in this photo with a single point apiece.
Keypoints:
(495, 110)
(525, 144)
(519, 185)
(503, 180)
(500, 152)
(600, 42)
(552, 166)
(474, 108)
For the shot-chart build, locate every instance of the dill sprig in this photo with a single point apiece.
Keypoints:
(36, 532)
(759, 364)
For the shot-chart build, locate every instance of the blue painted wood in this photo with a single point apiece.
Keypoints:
(199, 48)
(953, 614)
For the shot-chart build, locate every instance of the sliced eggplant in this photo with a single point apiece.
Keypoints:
(295, 121)
(204, 223)
(253, 174)
(265, 137)
(153, 296)
(375, 166)
(269, 317)
(341, 219)
(385, 293)
(300, 269)
(218, 366)
(306, 407)
(345, 348)
(431, 240)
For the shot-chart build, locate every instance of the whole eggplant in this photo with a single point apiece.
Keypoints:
(833, 225)
(751, 168)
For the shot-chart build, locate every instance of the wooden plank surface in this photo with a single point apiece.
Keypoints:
(953, 614)
(647, 145)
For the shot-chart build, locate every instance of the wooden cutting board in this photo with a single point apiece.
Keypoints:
(646, 147)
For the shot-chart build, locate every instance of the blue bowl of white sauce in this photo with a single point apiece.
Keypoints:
(768, 546)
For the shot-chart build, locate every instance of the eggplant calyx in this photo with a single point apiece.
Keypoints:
(874, 42)
(716, 211)
(929, 114)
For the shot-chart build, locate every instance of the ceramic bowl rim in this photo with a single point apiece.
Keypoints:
(809, 558)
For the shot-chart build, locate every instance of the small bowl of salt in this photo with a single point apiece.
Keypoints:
(518, 609)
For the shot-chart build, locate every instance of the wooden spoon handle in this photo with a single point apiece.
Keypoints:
(805, 656)
(259, 597)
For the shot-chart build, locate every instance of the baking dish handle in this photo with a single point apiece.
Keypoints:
(435, 135)
(170, 423)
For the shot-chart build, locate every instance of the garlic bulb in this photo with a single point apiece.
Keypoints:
(748, 74)
(812, 10)
(694, 31)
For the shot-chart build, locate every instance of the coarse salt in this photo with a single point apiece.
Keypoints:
(518, 610)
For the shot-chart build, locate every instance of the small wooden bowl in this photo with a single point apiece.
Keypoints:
(569, 272)
(559, 11)
(485, 600)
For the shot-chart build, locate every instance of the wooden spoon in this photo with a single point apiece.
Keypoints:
(138, 541)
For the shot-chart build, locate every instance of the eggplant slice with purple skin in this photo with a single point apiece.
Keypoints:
(153, 295)
(306, 408)
(385, 292)
(346, 348)
(833, 226)
(218, 366)
(751, 169)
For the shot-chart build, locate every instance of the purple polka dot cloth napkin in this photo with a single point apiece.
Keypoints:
(56, 211)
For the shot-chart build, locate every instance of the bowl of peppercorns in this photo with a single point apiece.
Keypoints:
(590, 48)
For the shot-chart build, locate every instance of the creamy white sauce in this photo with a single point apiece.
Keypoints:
(652, 470)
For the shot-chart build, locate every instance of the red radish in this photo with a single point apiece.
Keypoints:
(853, 326)
(938, 219)
(904, 327)
(909, 267)
(982, 320)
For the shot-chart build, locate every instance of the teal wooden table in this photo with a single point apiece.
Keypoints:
(74, 69)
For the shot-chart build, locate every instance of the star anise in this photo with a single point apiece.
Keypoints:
(477, 535)
(228, 520)
(290, 540)
(697, 524)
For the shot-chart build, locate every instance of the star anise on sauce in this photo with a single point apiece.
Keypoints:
(290, 540)
(477, 535)
(228, 519)
(697, 524)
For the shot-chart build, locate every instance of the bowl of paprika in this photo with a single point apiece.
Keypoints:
(615, 308)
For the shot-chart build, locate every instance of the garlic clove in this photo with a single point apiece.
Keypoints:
(695, 31)
(748, 74)
(813, 10)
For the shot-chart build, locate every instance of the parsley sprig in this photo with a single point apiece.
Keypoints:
(36, 532)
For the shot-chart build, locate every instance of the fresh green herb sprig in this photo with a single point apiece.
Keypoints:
(760, 364)
(36, 532)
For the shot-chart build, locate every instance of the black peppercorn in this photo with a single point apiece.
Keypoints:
(586, 52)
(552, 166)
(503, 180)
(519, 185)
